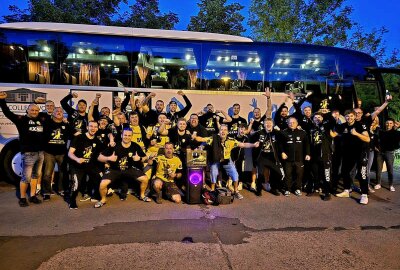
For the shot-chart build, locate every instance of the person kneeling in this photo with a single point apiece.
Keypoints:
(125, 160)
(168, 168)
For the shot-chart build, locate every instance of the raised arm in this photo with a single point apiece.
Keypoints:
(10, 115)
(188, 106)
(65, 105)
(267, 94)
(125, 102)
(381, 108)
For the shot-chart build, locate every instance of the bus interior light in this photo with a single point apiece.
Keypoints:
(90, 51)
(46, 48)
(287, 61)
(249, 60)
(12, 47)
(279, 61)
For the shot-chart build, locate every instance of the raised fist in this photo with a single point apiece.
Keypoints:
(74, 94)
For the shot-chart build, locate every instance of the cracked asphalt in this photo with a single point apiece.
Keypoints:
(254, 233)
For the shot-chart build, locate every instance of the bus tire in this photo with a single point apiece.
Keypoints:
(8, 156)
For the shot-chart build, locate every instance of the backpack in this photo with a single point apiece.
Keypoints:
(224, 196)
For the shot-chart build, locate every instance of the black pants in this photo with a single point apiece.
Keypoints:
(322, 175)
(350, 161)
(277, 173)
(49, 163)
(291, 168)
(78, 177)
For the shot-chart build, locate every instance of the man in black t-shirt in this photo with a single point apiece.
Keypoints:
(237, 120)
(126, 163)
(78, 119)
(57, 134)
(355, 139)
(31, 139)
(267, 157)
(83, 154)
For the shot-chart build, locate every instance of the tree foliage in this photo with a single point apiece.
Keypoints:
(320, 22)
(216, 16)
(66, 11)
(146, 14)
(143, 13)
(316, 21)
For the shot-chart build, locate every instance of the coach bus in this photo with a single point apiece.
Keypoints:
(50, 60)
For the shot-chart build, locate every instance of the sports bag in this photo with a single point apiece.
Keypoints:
(224, 196)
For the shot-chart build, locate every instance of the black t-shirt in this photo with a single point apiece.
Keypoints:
(351, 143)
(30, 130)
(268, 143)
(181, 142)
(367, 121)
(258, 124)
(209, 121)
(102, 136)
(86, 148)
(233, 126)
(57, 136)
(125, 156)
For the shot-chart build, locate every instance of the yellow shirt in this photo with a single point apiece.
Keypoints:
(165, 166)
(137, 136)
(228, 145)
(153, 131)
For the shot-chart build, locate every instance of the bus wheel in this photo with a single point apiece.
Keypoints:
(11, 165)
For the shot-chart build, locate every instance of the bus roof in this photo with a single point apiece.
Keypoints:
(122, 31)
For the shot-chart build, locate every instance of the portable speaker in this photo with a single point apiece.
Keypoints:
(195, 182)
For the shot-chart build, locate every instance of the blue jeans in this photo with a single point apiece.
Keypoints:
(32, 163)
(229, 168)
(388, 158)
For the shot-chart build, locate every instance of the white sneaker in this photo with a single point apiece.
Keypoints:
(229, 185)
(253, 186)
(391, 188)
(240, 186)
(297, 192)
(378, 186)
(364, 199)
(344, 194)
(371, 190)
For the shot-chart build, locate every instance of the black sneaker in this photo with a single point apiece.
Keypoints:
(158, 198)
(23, 202)
(275, 192)
(122, 198)
(326, 197)
(46, 197)
(34, 200)
(258, 193)
(73, 205)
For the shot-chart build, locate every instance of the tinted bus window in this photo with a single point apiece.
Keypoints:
(168, 64)
(27, 57)
(95, 60)
(233, 67)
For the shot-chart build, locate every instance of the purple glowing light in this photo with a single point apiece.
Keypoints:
(195, 178)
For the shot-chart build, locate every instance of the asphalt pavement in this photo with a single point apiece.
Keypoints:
(265, 232)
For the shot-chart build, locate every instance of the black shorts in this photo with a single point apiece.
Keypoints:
(168, 188)
(126, 175)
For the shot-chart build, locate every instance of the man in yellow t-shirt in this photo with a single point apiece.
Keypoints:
(138, 131)
(168, 168)
(158, 135)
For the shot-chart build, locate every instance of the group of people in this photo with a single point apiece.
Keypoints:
(100, 150)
